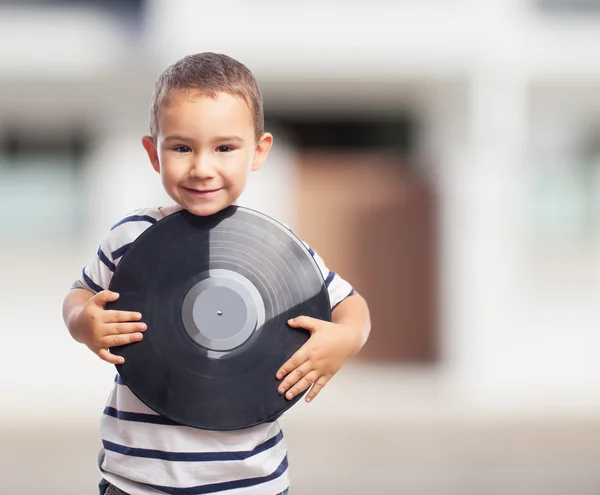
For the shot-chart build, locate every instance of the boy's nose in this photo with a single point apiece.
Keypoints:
(202, 169)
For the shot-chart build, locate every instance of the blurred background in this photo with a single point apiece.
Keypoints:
(443, 156)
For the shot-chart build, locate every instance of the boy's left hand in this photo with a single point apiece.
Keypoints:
(321, 357)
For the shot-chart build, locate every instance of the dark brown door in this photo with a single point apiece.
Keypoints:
(373, 221)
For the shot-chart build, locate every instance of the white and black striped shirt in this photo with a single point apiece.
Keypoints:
(146, 453)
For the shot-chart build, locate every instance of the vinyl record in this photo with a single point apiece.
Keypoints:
(216, 293)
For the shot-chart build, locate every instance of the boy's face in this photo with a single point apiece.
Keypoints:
(205, 147)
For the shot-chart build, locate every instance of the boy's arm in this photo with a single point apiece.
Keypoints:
(354, 313)
(74, 302)
(329, 346)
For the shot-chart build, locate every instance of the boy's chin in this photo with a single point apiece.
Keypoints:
(206, 210)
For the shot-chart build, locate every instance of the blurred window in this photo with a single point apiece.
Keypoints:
(40, 189)
(565, 204)
(566, 195)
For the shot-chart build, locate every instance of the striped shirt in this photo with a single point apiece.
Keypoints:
(145, 453)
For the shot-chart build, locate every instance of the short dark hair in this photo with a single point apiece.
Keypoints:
(207, 73)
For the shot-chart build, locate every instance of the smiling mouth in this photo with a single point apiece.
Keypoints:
(201, 192)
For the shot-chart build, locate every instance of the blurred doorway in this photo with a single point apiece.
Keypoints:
(371, 215)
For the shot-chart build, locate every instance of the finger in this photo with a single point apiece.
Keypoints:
(316, 388)
(296, 375)
(112, 316)
(299, 357)
(306, 322)
(125, 328)
(302, 385)
(121, 339)
(105, 355)
(104, 297)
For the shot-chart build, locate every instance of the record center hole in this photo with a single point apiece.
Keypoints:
(219, 313)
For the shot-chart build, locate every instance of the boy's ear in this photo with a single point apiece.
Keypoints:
(150, 147)
(262, 150)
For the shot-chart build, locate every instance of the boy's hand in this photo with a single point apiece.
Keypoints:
(321, 357)
(100, 329)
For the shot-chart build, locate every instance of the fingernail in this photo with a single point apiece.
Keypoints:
(279, 376)
(308, 399)
(289, 395)
(143, 326)
(281, 390)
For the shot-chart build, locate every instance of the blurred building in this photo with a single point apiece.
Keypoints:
(443, 156)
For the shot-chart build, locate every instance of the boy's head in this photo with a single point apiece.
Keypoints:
(207, 131)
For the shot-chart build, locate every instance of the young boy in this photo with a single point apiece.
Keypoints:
(207, 134)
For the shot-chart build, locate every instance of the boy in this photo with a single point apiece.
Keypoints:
(207, 134)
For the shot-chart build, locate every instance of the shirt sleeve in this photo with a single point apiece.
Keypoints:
(97, 274)
(338, 288)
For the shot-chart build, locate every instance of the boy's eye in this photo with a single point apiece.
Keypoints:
(224, 149)
(182, 149)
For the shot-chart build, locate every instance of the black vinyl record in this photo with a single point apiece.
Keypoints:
(216, 294)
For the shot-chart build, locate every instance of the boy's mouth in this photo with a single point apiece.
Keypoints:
(201, 193)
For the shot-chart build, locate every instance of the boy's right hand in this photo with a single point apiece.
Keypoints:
(100, 329)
